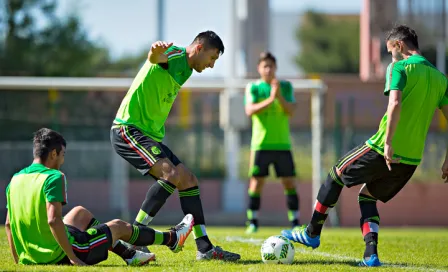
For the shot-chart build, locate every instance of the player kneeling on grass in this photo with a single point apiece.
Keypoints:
(385, 162)
(37, 234)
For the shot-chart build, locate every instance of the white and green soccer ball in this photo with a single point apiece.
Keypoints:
(277, 250)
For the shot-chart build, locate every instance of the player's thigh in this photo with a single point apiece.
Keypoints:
(138, 149)
(78, 217)
(256, 184)
(360, 165)
(91, 246)
(284, 164)
(390, 183)
(259, 165)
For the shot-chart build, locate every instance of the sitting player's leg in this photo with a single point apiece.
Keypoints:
(258, 171)
(256, 184)
(285, 170)
(82, 219)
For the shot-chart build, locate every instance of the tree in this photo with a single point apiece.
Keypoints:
(329, 43)
(36, 42)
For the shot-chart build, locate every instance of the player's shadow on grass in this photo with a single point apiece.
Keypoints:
(299, 262)
(150, 265)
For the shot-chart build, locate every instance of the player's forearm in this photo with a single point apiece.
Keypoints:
(288, 107)
(11, 243)
(393, 116)
(257, 107)
(57, 228)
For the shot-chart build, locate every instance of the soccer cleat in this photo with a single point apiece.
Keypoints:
(182, 230)
(296, 228)
(371, 262)
(141, 258)
(143, 249)
(300, 236)
(217, 253)
(251, 229)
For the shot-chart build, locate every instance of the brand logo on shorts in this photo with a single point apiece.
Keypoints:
(91, 231)
(155, 150)
(255, 170)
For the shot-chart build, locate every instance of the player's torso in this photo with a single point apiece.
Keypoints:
(31, 233)
(270, 127)
(152, 94)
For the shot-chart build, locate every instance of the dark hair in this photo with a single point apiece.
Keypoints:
(210, 40)
(405, 34)
(267, 56)
(46, 140)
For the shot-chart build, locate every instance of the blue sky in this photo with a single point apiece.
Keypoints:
(129, 28)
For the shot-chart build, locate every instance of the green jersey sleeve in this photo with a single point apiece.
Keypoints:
(444, 100)
(287, 91)
(55, 188)
(395, 77)
(250, 94)
(7, 192)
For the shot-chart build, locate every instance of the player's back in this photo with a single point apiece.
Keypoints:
(27, 195)
(423, 89)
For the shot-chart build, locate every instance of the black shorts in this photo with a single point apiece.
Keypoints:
(364, 165)
(90, 246)
(281, 159)
(138, 149)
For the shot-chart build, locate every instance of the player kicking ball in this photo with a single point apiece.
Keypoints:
(139, 128)
(37, 233)
(386, 162)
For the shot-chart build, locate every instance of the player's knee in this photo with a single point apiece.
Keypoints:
(119, 226)
(289, 183)
(172, 176)
(81, 213)
(256, 184)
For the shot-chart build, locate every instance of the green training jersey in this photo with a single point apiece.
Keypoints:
(27, 195)
(423, 90)
(152, 93)
(270, 127)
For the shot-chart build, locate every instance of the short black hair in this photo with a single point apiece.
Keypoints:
(267, 56)
(46, 140)
(210, 40)
(405, 34)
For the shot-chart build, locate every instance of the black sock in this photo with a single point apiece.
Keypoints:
(369, 223)
(292, 201)
(327, 197)
(254, 207)
(156, 196)
(119, 248)
(145, 236)
(190, 201)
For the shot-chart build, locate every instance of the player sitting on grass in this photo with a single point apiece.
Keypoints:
(37, 233)
(386, 162)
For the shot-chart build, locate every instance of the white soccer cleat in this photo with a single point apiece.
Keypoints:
(141, 258)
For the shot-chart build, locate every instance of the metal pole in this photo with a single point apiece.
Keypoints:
(119, 186)
(317, 139)
(160, 19)
(441, 45)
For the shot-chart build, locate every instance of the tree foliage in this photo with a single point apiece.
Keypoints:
(329, 43)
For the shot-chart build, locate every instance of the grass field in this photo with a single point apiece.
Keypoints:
(403, 249)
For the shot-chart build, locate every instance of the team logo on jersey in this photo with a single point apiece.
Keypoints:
(91, 231)
(155, 150)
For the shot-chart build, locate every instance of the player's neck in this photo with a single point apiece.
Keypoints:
(267, 80)
(190, 55)
(46, 164)
(411, 53)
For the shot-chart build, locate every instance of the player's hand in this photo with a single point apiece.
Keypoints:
(275, 88)
(77, 262)
(445, 171)
(388, 156)
(160, 47)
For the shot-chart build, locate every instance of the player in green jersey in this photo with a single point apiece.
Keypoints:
(385, 162)
(270, 103)
(139, 128)
(37, 233)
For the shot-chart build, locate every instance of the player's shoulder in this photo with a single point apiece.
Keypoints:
(175, 51)
(285, 83)
(54, 174)
(252, 85)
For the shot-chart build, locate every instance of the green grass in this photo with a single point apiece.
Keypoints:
(402, 249)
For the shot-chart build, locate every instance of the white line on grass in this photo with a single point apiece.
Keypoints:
(326, 254)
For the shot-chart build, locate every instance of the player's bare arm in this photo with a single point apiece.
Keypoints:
(444, 109)
(254, 108)
(10, 240)
(288, 107)
(156, 54)
(393, 116)
(57, 227)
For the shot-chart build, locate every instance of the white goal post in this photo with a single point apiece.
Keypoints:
(315, 87)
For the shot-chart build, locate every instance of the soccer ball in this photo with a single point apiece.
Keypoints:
(277, 250)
